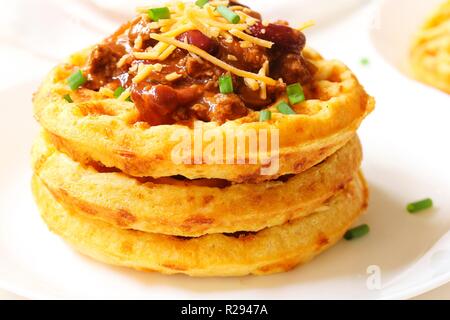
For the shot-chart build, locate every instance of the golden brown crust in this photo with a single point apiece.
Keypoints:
(105, 130)
(430, 53)
(151, 207)
(272, 250)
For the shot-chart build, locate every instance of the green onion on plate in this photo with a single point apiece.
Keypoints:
(419, 206)
(364, 61)
(357, 232)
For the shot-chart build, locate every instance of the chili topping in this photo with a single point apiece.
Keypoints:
(210, 61)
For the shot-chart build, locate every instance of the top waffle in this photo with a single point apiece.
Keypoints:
(249, 90)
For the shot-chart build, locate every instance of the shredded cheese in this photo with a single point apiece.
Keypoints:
(145, 70)
(217, 3)
(264, 70)
(306, 25)
(201, 26)
(196, 57)
(173, 76)
(245, 44)
(225, 26)
(154, 25)
(249, 38)
(166, 22)
(123, 60)
(179, 30)
(245, 17)
(146, 55)
(213, 60)
(138, 42)
(107, 92)
(251, 83)
(212, 13)
(166, 53)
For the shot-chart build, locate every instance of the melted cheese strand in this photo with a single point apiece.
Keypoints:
(249, 38)
(214, 60)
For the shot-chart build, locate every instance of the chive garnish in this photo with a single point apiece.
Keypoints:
(357, 232)
(68, 98)
(284, 108)
(265, 115)
(157, 14)
(76, 80)
(201, 3)
(418, 206)
(364, 61)
(228, 14)
(118, 92)
(226, 84)
(295, 93)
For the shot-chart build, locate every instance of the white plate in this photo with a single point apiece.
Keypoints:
(406, 159)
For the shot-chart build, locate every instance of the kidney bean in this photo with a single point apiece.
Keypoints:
(283, 36)
(198, 39)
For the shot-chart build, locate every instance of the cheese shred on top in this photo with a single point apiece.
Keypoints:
(214, 60)
(185, 17)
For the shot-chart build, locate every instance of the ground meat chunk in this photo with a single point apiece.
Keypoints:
(220, 108)
(293, 68)
(199, 69)
(253, 99)
(102, 64)
(159, 104)
(141, 27)
(249, 59)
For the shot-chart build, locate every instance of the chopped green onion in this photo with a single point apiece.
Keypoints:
(201, 3)
(68, 98)
(157, 14)
(228, 14)
(284, 108)
(118, 92)
(364, 61)
(265, 115)
(76, 80)
(226, 84)
(419, 205)
(357, 232)
(295, 93)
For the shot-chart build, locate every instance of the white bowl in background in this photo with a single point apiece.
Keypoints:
(396, 22)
